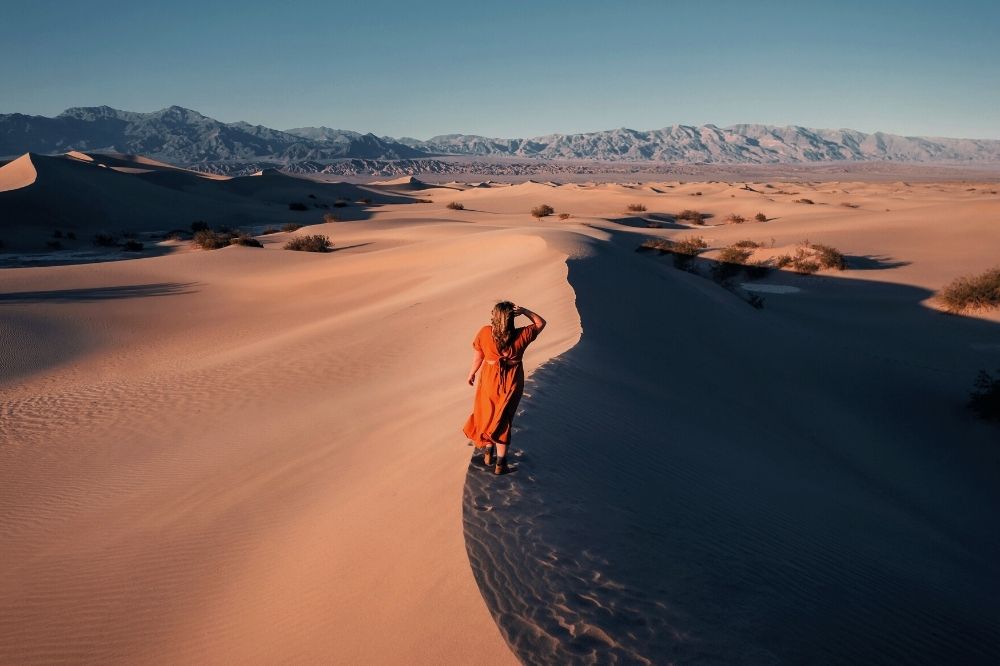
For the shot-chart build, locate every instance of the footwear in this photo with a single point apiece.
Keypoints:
(501, 467)
(488, 456)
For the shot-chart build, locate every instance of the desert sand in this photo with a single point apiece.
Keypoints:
(254, 455)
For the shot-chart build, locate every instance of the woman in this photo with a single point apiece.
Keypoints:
(501, 382)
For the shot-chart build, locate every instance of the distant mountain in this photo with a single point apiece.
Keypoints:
(185, 137)
(180, 136)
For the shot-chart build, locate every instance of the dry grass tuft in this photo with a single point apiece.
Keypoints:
(312, 243)
(541, 211)
(691, 216)
(805, 201)
(455, 205)
(760, 217)
(972, 293)
(246, 240)
(636, 208)
(564, 216)
(733, 218)
(291, 226)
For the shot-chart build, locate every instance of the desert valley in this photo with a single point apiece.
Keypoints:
(745, 436)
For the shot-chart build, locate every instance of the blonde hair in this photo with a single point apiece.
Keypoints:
(503, 325)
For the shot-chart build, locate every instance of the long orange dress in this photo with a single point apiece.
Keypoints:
(500, 386)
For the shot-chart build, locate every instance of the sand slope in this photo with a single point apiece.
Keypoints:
(254, 455)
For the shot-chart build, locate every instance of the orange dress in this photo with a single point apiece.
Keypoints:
(500, 386)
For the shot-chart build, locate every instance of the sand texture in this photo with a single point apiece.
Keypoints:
(253, 455)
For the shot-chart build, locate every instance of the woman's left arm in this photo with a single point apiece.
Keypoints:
(477, 360)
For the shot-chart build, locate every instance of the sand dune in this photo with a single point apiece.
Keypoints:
(254, 455)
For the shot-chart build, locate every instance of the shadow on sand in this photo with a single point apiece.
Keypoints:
(712, 483)
(97, 293)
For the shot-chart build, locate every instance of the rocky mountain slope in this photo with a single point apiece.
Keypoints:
(186, 137)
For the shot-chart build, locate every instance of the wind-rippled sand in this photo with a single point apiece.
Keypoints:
(254, 455)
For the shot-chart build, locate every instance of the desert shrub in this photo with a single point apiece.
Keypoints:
(268, 231)
(207, 239)
(760, 217)
(733, 218)
(53, 245)
(696, 194)
(566, 216)
(971, 293)
(805, 266)
(984, 399)
(690, 245)
(246, 240)
(542, 211)
(734, 255)
(829, 257)
(291, 226)
(692, 216)
(199, 225)
(340, 203)
(454, 205)
(661, 244)
(105, 240)
(132, 245)
(297, 205)
(747, 244)
(57, 233)
(424, 200)
(330, 218)
(636, 208)
(782, 261)
(312, 243)
(71, 235)
(805, 201)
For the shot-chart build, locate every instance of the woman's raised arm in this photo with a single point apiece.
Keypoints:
(535, 318)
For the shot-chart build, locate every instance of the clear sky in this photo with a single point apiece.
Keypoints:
(515, 68)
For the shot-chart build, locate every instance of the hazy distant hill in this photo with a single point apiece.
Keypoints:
(186, 137)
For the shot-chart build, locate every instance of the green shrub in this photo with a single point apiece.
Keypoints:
(541, 211)
(454, 205)
(984, 400)
(291, 226)
(313, 243)
(972, 293)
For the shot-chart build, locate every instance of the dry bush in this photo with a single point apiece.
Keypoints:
(734, 255)
(175, 234)
(733, 218)
(636, 208)
(782, 261)
(313, 243)
(330, 217)
(695, 194)
(760, 217)
(829, 257)
(747, 244)
(803, 263)
(297, 205)
(984, 399)
(268, 231)
(972, 293)
(246, 240)
(692, 216)
(454, 205)
(805, 201)
(291, 226)
(207, 239)
(661, 244)
(132, 245)
(690, 245)
(542, 211)
(564, 216)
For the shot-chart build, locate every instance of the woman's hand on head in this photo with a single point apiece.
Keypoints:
(518, 310)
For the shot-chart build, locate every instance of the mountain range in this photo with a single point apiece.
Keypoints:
(185, 137)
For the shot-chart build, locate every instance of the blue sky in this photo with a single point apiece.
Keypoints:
(515, 68)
